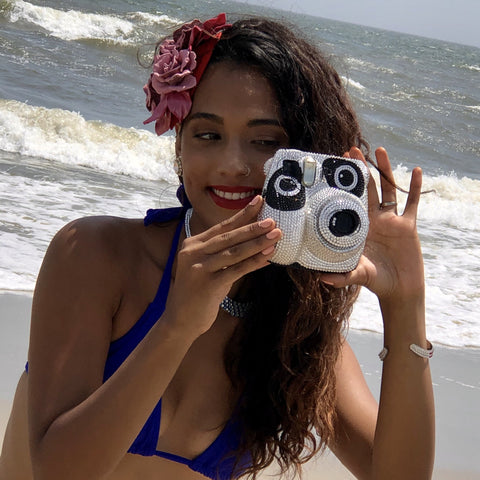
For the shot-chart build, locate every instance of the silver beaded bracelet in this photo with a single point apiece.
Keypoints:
(421, 352)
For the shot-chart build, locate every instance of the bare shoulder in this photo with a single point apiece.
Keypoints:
(99, 236)
(82, 275)
(111, 238)
(99, 265)
(100, 242)
(97, 259)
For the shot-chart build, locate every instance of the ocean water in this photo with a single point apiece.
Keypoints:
(72, 142)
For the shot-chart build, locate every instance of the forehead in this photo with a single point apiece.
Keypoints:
(228, 89)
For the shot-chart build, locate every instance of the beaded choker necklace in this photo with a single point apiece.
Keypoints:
(234, 308)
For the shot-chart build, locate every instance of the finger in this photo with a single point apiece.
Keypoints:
(230, 238)
(245, 216)
(372, 192)
(387, 180)
(240, 269)
(337, 280)
(239, 252)
(414, 193)
(356, 153)
(358, 276)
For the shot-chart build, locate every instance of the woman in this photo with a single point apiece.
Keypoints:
(128, 379)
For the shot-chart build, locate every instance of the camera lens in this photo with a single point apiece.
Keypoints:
(344, 222)
(288, 184)
(346, 177)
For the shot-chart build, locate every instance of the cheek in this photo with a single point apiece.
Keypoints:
(195, 171)
(260, 179)
(258, 173)
(195, 176)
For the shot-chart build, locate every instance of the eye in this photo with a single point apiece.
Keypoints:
(343, 174)
(267, 143)
(207, 136)
(268, 137)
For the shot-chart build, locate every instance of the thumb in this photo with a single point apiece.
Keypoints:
(340, 280)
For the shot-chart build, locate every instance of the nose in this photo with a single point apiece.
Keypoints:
(234, 159)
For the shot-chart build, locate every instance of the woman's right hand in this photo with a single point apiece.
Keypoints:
(209, 263)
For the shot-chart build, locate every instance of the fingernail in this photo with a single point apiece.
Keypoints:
(268, 222)
(255, 200)
(268, 250)
(272, 234)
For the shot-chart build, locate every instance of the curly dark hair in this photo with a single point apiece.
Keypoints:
(283, 357)
(315, 109)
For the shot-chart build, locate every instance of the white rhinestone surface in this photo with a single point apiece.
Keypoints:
(307, 238)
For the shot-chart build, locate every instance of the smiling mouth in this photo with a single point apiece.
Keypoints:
(232, 198)
(234, 195)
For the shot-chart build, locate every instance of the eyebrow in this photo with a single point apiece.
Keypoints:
(205, 115)
(264, 121)
(251, 123)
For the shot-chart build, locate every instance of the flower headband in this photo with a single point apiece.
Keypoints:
(177, 69)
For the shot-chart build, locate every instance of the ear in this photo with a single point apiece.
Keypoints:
(178, 140)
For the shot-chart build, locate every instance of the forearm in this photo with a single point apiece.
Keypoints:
(405, 432)
(90, 439)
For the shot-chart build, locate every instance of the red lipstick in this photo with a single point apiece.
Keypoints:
(232, 198)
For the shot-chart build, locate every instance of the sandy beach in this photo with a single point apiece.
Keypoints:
(456, 386)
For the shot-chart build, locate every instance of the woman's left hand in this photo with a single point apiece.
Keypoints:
(391, 264)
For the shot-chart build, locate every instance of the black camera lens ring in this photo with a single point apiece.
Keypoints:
(344, 222)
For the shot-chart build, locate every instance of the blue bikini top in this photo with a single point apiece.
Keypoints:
(218, 461)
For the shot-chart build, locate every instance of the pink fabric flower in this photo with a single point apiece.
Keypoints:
(177, 67)
(172, 71)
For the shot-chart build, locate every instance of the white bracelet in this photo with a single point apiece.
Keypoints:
(417, 350)
(383, 354)
(422, 352)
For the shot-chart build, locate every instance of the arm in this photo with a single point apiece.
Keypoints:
(357, 412)
(74, 424)
(392, 268)
(73, 417)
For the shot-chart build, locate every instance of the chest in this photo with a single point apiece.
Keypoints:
(200, 399)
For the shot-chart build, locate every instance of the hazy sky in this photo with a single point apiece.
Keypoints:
(452, 20)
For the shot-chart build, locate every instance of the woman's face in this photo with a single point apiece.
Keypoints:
(231, 130)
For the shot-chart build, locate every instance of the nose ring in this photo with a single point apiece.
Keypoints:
(247, 171)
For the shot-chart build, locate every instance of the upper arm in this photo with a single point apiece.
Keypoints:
(75, 299)
(356, 415)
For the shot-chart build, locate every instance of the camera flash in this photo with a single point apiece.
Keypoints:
(309, 170)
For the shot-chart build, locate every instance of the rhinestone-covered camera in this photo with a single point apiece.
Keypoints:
(320, 204)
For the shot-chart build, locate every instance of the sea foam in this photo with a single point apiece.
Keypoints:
(76, 25)
(66, 137)
(352, 83)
